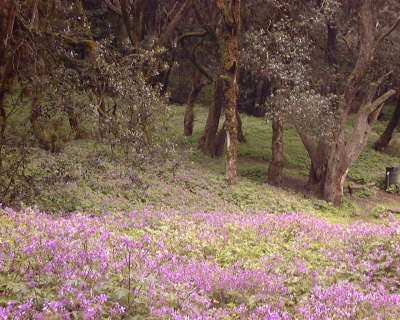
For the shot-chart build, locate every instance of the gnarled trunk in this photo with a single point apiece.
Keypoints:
(275, 169)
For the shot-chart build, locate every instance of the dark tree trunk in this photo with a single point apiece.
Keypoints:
(386, 136)
(3, 124)
(220, 143)
(207, 142)
(261, 92)
(230, 11)
(331, 42)
(275, 169)
(241, 137)
(197, 86)
(73, 121)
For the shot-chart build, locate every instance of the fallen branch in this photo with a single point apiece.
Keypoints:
(355, 187)
(393, 211)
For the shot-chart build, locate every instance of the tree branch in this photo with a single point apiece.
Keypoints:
(33, 15)
(192, 34)
(388, 31)
(114, 7)
(204, 25)
(166, 38)
(369, 108)
(193, 60)
(373, 88)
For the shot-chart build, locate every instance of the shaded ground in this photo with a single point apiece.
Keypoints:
(368, 200)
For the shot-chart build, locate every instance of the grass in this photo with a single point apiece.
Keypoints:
(87, 177)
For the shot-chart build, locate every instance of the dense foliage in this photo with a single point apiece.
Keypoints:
(175, 265)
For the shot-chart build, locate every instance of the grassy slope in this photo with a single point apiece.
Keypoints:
(88, 179)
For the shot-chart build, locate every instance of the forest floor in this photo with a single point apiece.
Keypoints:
(90, 178)
(172, 241)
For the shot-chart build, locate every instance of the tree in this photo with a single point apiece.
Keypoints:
(230, 11)
(341, 153)
(306, 94)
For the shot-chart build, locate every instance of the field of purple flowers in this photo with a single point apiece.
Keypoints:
(175, 265)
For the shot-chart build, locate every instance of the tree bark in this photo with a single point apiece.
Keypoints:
(197, 86)
(230, 10)
(386, 136)
(220, 143)
(3, 124)
(73, 121)
(331, 42)
(241, 137)
(207, 142)
(275, 170)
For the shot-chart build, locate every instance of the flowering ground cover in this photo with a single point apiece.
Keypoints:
(176, 265)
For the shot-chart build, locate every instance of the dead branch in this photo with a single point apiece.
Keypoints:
(355, 187)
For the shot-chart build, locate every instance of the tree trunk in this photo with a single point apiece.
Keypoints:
(386, 136)
(221, 137)
(275, 170)
(46, 139)
(241, 137)
(102, 110)
(197, 86)
(318, 168)
(220, 141)
(334, 183)
(73, 121)
(331, 42)
(207, 142)
(230, 10)
(3, 124)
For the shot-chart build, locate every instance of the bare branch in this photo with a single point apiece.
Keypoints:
(192, 34)
(116, 7)
(33, 16)
(373, 88)
(169, 30)
(379, 101)
(388, 31)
